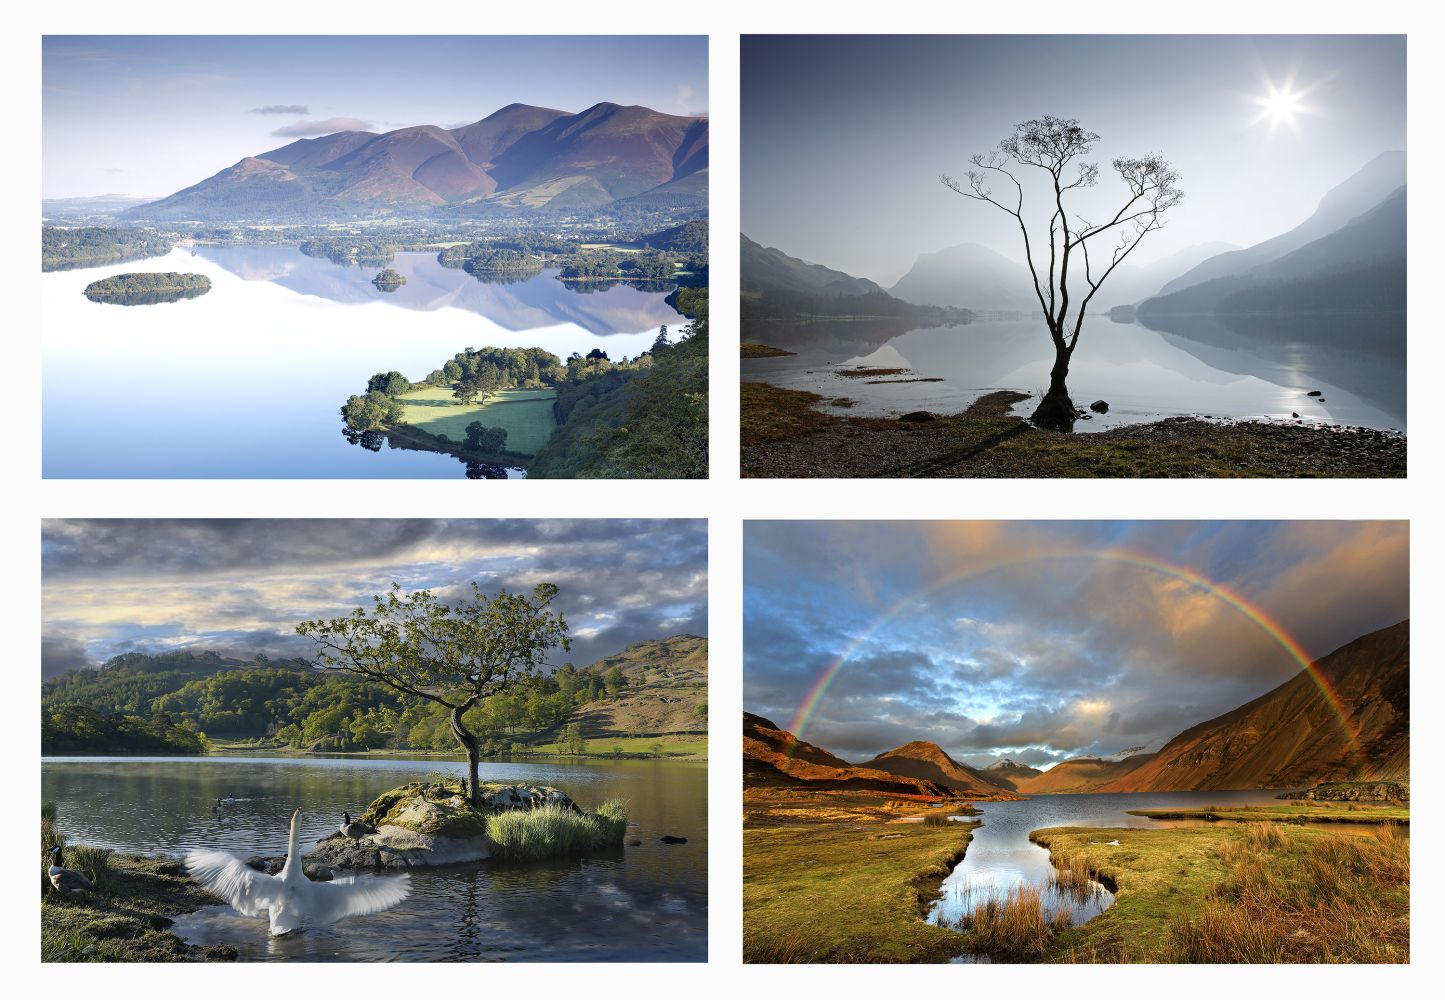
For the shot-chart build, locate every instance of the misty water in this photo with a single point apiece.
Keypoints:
(1256, 367)
(644, 903)
(247, 380)
(1001, 857)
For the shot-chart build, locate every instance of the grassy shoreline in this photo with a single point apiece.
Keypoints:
(783, 434)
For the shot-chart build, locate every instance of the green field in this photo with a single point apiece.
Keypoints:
(525, 413)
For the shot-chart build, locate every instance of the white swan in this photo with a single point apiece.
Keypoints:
(289, 898)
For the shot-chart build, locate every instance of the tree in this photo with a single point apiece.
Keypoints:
(454, 654)
(661, 340)
(1051, 144)
(390, 383)
(572, 739)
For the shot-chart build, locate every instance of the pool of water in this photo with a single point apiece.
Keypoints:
(1001, 857)
(646, 903)
(1200, 368)
(246, 381)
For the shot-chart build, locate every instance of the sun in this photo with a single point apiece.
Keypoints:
(1280, 105)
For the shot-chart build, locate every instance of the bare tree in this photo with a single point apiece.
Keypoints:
(455, 654)
(1052, 144)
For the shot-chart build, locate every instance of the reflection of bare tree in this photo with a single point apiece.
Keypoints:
(1051, 144)
(468, 943)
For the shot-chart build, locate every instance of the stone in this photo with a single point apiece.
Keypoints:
(1314, 392)
(1099, 406)
(668, 838)
(918, 416)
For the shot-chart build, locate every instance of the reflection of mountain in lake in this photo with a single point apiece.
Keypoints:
(826, 340)
(539, 300)
(1308, 352)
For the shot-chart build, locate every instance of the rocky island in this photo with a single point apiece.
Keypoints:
(147, 288)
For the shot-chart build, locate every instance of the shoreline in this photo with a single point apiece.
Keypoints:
(784, 435)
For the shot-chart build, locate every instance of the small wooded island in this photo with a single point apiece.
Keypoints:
(389, 280)
(147, 288)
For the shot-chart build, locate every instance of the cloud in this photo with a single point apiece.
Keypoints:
(1059, 638)
(684, 95)
(60, 654)
(281, 109)
(243, 585)
(326, 126)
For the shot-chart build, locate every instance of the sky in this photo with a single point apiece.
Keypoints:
(844, 137)
(1044, 640)
(241, 586)
(149, 115)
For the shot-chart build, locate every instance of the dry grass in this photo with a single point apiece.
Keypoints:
(1326, 898)
(1072, 876)
(1012, 927)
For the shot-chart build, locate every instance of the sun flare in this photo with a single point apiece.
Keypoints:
(1280, 105)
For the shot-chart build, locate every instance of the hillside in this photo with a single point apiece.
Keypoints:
(970, 276)
(930, 762)
(1292, 737)
(763, 267)
(665, 692)
(774, 758)
(1082, 774)
(520, 158)
(1362, 191)
(1008, 773)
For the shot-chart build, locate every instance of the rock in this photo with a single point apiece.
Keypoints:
(634, 842)
(1295, 415)
(1314, 392)
(918, 416)
(668, 838)
(1099, 406)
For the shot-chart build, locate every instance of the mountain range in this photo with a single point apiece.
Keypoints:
(518, 158)
(1292, 736)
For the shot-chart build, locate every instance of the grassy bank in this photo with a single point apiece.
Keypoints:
(821, 889)
(553, 832)
(525, 414)
(124, 919)
(1252, 892)
(784, 435)
(764, 351)
(1303, 811)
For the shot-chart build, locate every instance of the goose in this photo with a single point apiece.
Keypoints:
(289, 899)
(354, 829)
(66, 879)
(217, 807)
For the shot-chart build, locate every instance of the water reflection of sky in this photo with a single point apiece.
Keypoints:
(1142, 374)
(246, 381)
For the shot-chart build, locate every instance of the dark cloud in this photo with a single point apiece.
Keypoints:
(242, 585)
(325, 126)
(1047, 638)
(60, 654)
(282, 109)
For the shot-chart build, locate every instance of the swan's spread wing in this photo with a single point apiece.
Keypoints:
(355, 895)
(249, 892)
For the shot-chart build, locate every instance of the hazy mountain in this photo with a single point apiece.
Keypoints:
(1082, 774)
(1357, 195)
(930, 762)
(1358, 267)
(1132, 283)
(1293, 736)
(969, 276)
(768, 267)
(1007, 773)
(520, 157)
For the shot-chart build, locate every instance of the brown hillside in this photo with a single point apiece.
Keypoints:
(1083, 774)
(1008, 773)
(928, 761)
(1291, 737)
(773, 757)
(666, 685)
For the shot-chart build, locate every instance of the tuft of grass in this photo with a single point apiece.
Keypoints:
(92, 862)
(1072, 876)
(1012, 927)
(936, 819)
(1264, 837)
(554, 831)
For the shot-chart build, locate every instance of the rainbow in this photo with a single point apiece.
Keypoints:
(1253, 612)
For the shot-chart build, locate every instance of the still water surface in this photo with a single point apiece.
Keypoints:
(646, 903)
(246, 381)
(1259, 369)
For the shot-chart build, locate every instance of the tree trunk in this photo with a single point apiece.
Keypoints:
(469, 742)
(1056, 411)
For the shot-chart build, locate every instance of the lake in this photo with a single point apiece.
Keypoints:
(1001, 856)
(246, 381)
(1261, 368)
(647, 903)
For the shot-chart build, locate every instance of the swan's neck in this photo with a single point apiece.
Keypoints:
(293, 847)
